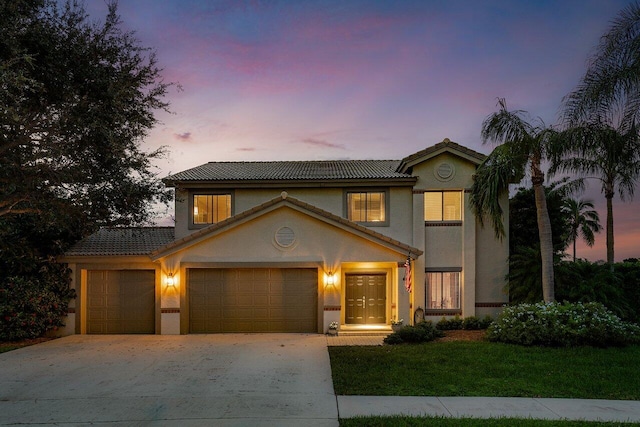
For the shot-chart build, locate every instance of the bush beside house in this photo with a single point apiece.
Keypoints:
(562, 325)
(32, 306)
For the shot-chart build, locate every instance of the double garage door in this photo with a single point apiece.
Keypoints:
(253, 300)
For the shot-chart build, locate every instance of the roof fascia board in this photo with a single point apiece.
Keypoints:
(429, 156)
(390, 182)
(105, 259)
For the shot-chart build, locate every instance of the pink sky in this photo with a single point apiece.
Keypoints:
(310, 80)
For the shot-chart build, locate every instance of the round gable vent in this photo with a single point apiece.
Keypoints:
(445, 172)
(285, 237)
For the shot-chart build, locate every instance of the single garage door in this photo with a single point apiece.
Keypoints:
(253, 300)
(121, 301)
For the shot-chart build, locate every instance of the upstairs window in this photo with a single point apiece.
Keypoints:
(443, 206)
(211, 208)
(367, 207)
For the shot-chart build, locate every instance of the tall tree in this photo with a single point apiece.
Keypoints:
(583, 221)
(77, 99)
(599, 151)
(601, 115)
(522, 145)
(525, 263)
(523, 223)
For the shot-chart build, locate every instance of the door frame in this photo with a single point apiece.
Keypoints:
(364, 269)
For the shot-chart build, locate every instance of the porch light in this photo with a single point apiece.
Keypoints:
(170, 280)
(329, 279)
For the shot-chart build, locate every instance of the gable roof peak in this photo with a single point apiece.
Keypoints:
(447, 146)
(284, 200)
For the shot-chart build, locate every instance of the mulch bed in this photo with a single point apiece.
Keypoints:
(23, 343)
(463, 335)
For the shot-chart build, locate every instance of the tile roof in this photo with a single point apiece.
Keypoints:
(284, 198)
(123, 241)
(291, 170)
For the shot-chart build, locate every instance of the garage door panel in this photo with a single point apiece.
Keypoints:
(121, 302)
(255, 287)
(253, 300)
(276, 288)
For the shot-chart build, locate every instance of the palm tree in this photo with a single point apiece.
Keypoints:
(611, 86)
(601, 115)
(583, 221)
(521, 145)
(598, 151)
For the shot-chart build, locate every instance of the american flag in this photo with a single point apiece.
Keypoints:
(407, 274)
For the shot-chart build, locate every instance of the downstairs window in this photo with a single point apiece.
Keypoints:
(443, 290)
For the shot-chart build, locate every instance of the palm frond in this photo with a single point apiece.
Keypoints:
(611, 84)
(490, 182)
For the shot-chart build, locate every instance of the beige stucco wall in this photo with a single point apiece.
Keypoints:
(481, 257)
(427, 179)
(254, 242)
(181, 213)
(329, 199)
(443, 246)
(492, 265)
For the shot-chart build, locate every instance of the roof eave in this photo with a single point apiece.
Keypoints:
(409, 181)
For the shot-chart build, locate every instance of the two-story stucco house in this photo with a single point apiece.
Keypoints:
(293, 246)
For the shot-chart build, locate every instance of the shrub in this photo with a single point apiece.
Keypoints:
(422, 332)
(562, 325)
(471, 323)
(468, 323)
(486, 321)
(450, 324)
(30, 307)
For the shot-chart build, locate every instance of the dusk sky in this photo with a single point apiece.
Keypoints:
(314, 80)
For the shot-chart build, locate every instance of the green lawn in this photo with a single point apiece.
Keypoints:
(465, 422)
(486, 369)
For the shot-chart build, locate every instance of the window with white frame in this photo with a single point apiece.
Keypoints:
(443, 206)
(367, 206)
(443, 290)
(211, 208)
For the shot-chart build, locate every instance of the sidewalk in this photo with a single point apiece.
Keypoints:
(491, 407)
(480, 407)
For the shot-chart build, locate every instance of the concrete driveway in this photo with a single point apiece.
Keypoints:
(226, 380)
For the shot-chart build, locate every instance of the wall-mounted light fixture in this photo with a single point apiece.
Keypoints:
(170, 280)
(329, 279)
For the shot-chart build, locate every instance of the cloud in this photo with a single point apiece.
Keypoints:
(184, 136)
(322, 143)
(246, 149)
